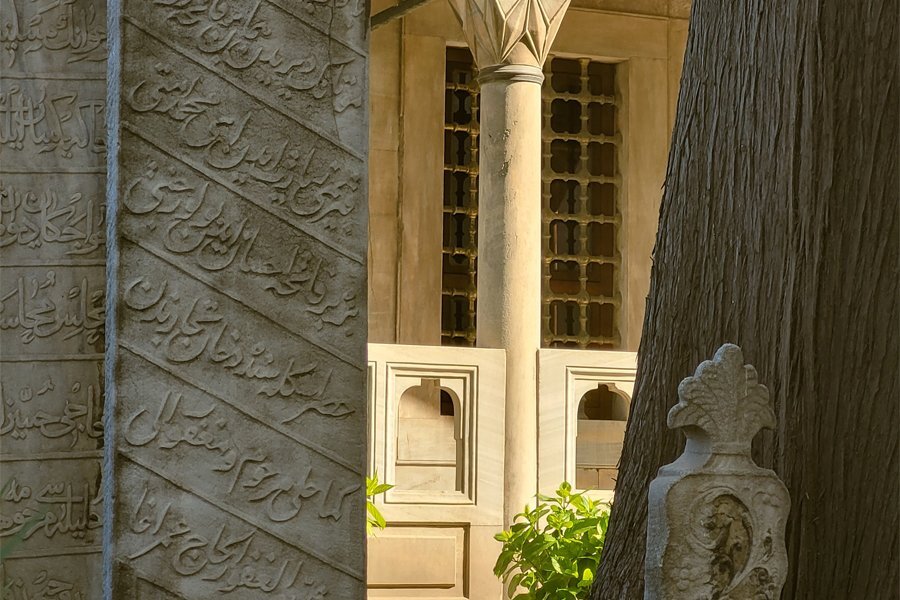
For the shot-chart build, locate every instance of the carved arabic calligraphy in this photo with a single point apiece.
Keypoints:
(74, 420)
(179, 424)
(41, 587)
(217, 233)
(55, 508)
(187, 329)
(36, 308)
(235, 35)
(234, 557)
(292, 173)
(45, 26)
(240, 208)
(58, 122)
(32, 220)
(81, 414)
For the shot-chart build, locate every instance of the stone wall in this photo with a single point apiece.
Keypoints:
(52, 257)
(240, 329)
(406, 150)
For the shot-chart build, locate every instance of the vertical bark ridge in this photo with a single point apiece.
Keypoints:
(779, 231)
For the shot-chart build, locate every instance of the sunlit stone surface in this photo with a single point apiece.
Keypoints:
(240, 325)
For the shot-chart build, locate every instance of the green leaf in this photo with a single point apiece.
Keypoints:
(555, 564)
(552, 550)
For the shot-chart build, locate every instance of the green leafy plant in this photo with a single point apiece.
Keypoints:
(552, 551)
(374, 519)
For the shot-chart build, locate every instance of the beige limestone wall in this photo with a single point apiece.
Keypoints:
(384, 178)
(52, 290)
(421, 181)
(405, 181)
(406, 146)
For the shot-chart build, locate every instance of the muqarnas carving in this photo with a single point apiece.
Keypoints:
(492, 28)
(716, 520)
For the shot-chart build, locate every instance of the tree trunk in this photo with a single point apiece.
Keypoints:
(779, 232)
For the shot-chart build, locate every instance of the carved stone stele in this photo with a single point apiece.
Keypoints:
(716, 520)
(503, 32)
(237, 311)
(52, 297)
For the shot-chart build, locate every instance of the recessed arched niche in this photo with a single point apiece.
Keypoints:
(429, 439)
(602, 414)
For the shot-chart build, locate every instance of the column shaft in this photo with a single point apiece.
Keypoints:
(509, 259)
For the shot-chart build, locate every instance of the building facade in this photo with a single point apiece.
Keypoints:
(187, 406)
(444, 405)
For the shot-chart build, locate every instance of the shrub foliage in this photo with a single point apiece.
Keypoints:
(552, 551)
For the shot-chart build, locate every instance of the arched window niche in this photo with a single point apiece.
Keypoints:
(429, 439)
(602, 413)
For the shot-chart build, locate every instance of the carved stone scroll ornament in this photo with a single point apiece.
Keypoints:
(716, 520)
(504, 32)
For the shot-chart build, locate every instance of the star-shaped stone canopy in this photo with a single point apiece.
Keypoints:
(493, 28)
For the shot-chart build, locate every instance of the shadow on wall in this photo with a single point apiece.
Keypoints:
(429, 439)
(602, 413)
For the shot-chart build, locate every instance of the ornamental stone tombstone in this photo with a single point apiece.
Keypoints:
(236, 360)
(52, 288)
(716, 520)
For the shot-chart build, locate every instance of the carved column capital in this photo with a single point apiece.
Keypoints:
(509, 32)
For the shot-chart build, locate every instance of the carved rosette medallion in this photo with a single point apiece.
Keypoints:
(716, 520)
(506, 32)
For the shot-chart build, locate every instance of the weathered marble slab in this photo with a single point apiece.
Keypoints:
(238, 382)
(716, 521)
(52, 296)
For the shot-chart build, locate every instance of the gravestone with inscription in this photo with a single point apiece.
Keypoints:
(237, 355)
(716, 520)
(52, 288)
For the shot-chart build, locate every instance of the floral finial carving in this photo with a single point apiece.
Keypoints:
(723, 401)
(715, 520)
(493, 28)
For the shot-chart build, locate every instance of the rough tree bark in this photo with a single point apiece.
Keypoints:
(779, 232)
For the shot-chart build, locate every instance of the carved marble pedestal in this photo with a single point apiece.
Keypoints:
(716, 520)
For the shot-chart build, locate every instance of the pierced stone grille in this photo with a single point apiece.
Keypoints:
(580, 188)
(460, 244)
(580, 215)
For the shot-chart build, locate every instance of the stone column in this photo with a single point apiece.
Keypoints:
(510, 42)
(716, 521)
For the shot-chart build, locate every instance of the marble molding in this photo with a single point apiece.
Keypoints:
(237, 367)
(716, 521)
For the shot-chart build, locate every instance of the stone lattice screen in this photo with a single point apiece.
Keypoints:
(580, 204)
(460, 243)
(580, 189)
